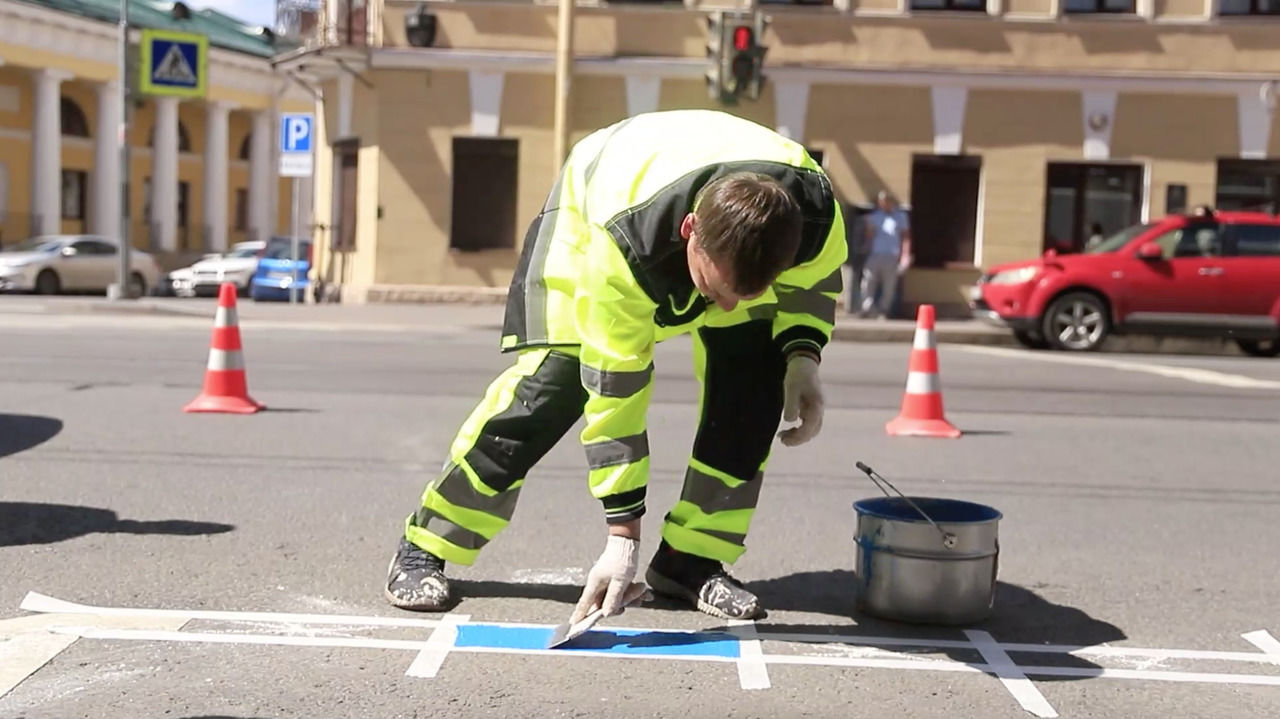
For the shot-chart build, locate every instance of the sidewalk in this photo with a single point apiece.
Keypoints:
(487, 315)
(410, 317)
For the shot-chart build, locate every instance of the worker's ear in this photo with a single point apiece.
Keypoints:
(686, 226)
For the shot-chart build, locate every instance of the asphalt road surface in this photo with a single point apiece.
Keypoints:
(1141, 514)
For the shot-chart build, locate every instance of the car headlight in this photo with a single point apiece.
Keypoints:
(1014, 277)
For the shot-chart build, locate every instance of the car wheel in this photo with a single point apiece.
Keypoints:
(1030, 340)
(1259, 348)
(1076, 321)
(47, 283)
(137, 286)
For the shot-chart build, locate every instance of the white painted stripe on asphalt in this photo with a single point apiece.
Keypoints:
(1189, 374)
(1013, 679)
(1263, 640)
(924, 340)
(23, 655)
(225, 360)
(753, 673)
(923, 383)
(37, 602)
(1024, 648)
(428, 662)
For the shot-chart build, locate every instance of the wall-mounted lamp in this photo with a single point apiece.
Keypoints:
(420, 27)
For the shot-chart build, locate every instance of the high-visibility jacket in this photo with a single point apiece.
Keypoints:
(604, 273)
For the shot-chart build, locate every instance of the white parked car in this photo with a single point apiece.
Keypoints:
(51, 264)
(204, 277)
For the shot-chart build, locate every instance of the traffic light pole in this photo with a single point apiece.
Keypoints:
(564, 73)
(122, 289)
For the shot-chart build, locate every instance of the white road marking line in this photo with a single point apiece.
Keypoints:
(753, 673)
(1013, 679)
(428, 662)
(28, 643)
(1189, 374)
(1263, 640)
(1014, 647)
(943, 665)
(23, 655)
(36, 602)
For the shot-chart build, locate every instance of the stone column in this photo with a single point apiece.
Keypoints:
(46, 152)
(260, 177)
(164, 175)
(105, 198)
(216, 209)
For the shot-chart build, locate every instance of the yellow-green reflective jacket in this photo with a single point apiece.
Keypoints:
(604, 273)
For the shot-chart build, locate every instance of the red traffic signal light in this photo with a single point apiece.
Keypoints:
(742, 37)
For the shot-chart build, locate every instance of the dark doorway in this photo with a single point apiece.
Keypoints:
(1248, 185)
(944, 209)
(347, 159)
(1083, 199)
(484, 193)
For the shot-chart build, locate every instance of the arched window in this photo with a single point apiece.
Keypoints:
(184, 139)
(74, 123)
(246, 146)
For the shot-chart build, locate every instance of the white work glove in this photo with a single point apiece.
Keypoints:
(802, 400)
(609, 582)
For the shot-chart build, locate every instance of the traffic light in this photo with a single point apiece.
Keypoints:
(735, 56)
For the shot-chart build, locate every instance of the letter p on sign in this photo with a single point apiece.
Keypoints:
(295, 133)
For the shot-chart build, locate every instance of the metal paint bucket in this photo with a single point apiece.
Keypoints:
(925, 559)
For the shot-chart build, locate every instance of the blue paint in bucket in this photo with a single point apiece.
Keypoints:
(950, 511)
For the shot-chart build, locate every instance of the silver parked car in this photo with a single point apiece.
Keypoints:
(51, 264)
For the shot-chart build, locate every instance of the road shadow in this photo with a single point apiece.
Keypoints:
(1019, 615)
(290, 410)
(563, 593)
(24, 523)
(20, 432)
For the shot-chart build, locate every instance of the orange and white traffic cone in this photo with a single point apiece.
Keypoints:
(922, 414)
(226, 389)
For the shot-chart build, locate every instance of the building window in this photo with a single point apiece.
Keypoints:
(949, 5)
(1249, 7)
(944, 209)
(242, 210)
(1099, 6)
(347, 160)
(1083, 200)
(484, 193)
(73, 189)
(1248, 185)
(74, 122)
(184, 195)
(246, 147)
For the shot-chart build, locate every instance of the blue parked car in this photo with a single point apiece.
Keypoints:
(274, 276)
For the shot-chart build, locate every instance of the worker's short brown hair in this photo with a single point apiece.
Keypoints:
(752, 224)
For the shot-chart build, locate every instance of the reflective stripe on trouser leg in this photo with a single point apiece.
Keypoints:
(524, 413)
(741, 370)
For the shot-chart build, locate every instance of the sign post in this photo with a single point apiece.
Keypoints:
(296, 133)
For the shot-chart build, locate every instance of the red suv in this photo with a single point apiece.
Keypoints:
(1207, 274)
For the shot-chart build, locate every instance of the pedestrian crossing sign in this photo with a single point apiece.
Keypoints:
(174, 63)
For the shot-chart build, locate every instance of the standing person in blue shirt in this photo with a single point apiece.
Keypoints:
(888, 231)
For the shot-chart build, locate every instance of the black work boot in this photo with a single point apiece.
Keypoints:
(415, 580)
(702, 582)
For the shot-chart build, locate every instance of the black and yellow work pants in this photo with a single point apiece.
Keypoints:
(534, 403)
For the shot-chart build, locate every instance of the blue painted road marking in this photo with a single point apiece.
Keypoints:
(647, 643)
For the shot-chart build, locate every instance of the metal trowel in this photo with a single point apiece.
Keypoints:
(567, 632)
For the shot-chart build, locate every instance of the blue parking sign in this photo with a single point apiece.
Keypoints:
(295, 132)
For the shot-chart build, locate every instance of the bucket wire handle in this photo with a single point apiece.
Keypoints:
(948, 539)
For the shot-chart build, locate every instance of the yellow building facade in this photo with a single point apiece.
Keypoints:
(1007, 126)
(202, 172)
